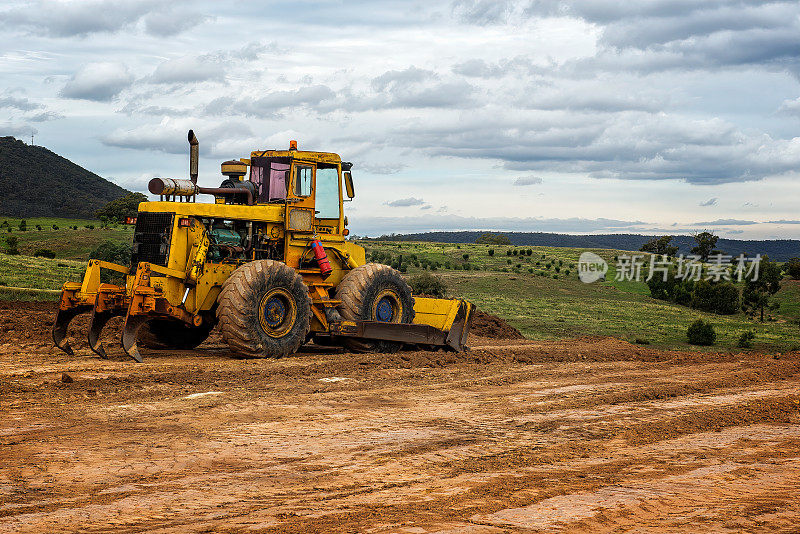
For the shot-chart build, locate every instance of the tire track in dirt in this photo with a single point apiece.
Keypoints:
(488, 441)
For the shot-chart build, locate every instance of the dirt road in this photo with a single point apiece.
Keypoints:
(591, 435)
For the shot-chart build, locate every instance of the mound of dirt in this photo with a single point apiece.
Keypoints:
(492, 327)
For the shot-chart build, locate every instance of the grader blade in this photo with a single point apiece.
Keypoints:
(61, 326)
(130, 335)
(99, 320)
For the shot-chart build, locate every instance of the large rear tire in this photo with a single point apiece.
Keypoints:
(375, 292)
(264, 310)
(163, 334)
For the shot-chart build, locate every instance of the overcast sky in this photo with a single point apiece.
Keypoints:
(585, 116)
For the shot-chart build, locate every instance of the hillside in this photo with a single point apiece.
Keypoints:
(35, 182)
(778, 250)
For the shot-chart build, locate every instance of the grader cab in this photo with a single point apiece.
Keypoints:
(267, 261)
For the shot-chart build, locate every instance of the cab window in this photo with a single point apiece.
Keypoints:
(302, 180)
(327, 199)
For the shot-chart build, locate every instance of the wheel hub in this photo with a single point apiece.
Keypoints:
(277, 312)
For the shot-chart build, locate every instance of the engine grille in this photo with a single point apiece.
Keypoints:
(151, 239)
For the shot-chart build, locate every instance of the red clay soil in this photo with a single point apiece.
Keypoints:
(584, 435)
(493, 327)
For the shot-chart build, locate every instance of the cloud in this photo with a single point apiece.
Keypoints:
(170, 136)
(271, 103)
(734, 232)
(629, 145)
(405, 202)
(99, 82)
(709, 202)
(724, 222)
(172, 22)
(72, 19)
(188, 69)
(22, 104)
(482, 12)
(17, 130)
(790, 107)
(375, 226)
(784, 221)
(528, 180)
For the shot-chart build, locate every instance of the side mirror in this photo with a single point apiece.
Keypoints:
(348, 184)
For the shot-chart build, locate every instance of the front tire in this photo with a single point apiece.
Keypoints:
(264, 310)
(375, 292)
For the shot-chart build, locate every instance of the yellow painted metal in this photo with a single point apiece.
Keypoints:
(188, 286)
(439, 313)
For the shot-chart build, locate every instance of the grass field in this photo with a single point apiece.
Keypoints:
(544, 307)
(540, 294)
(66, 242)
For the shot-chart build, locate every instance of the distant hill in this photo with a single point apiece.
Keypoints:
(778, 250)
(35, 182)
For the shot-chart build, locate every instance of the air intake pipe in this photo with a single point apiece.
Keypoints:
(187, 188)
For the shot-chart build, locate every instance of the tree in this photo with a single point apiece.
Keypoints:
(23, 225)
(760, 286)
(11, 245)
(127, 206)
(490, 238)
(706, 241)
(660, 246)
(792, 267)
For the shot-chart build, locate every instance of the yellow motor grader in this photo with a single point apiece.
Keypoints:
(268, 261)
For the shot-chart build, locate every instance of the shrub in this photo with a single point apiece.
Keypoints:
(746, 340)
(90, 226)
(721, 297)
(39, 227)
(44, 253)
(530, 251)
(428, 284)
(55, 227)
(792, 267)
(465, 256)
(508, 253)
(11, 246)
(491, 252)
(23, 225)
(701, 332)
(119, 253)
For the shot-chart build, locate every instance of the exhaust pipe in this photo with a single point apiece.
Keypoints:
(194, 153)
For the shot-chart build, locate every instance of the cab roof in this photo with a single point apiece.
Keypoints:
(322, 157)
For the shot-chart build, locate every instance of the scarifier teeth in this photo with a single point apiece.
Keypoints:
(61, 326)
(99, 320)
(130, 335)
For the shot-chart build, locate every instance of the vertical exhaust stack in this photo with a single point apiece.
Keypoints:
(194, 153)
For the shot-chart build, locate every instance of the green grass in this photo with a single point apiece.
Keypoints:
(539, 305)
(542, 307)
(66, 242)
(38, 273)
